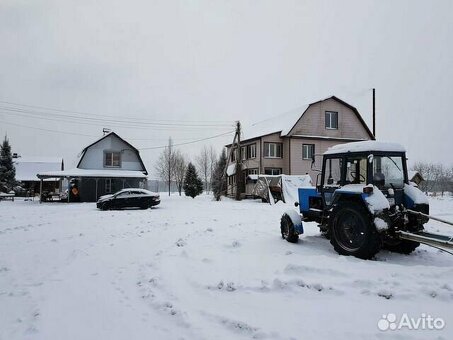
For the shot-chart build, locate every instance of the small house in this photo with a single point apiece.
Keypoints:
(105, 166)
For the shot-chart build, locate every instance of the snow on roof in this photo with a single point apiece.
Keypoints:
(28, 167)
(365, 146)
(76, 172)
(282, 123)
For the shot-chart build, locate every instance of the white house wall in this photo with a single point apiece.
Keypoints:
(94, 155)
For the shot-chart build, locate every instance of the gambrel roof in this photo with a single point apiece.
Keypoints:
(117, 136)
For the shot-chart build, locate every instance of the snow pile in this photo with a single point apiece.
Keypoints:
(380, 224)
(377, 201)
(415, 194)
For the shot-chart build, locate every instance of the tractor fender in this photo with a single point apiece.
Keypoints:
(375, 202)
(296, 219)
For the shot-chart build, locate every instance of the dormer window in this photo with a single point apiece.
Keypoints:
(112, 159)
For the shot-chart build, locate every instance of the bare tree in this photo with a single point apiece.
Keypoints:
(212, 165)
(203, 167)
(165, 166)
(180, 170)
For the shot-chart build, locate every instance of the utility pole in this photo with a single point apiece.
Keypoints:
(374, 112)
(239, 176)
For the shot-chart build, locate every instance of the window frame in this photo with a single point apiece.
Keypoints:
(250, 148)
(112, 153)
(329, 121)
(279, 170)
(312, 151)
(267, 149)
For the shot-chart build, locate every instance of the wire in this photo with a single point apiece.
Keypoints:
(191, 142)
(48, 130)
(109, 116)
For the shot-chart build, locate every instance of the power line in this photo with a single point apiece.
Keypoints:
(103, 122)
(97, 136)
(194, 141)
(111, 116)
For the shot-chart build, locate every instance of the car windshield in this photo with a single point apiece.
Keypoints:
(388, 171)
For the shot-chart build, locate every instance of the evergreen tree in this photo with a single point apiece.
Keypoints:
(7, 170)
(193, 185)
(219, 178)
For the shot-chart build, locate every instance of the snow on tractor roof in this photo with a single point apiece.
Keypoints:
(365, 146)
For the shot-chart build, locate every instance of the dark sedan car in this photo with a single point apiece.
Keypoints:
(129, 198)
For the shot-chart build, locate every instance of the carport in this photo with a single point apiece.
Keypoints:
(94, 181)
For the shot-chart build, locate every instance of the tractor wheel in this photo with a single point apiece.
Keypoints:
(402, 247)
(287, 229)
(353, 233)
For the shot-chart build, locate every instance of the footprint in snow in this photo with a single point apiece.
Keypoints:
(181, 243)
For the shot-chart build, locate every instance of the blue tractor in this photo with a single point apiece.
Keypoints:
(363, 202)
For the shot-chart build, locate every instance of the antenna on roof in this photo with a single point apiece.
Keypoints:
(106, 131)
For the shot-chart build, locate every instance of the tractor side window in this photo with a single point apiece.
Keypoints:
(388, 172)
(332, 175)
(356, 169)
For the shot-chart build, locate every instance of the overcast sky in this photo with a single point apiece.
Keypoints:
(200, 62)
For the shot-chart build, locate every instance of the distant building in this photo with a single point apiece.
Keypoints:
(415, 176)
(107, 165)
(286, 143)
(28, 167)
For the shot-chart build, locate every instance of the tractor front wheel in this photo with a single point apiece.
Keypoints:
(352, 232)
(287, 229)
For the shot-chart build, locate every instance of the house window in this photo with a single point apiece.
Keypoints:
(331, 120)
(252, 171)
(233, 155)
(273, 150)
(243, 153)
(112, 159)
(272, 171)
(308, 150)
(251, 151)
(232, 180)
(108, 185)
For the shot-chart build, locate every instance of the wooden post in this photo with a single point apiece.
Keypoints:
(96, 179)
(40, 191)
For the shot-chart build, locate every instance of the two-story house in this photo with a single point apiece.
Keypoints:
(286, 143)
(105, 166)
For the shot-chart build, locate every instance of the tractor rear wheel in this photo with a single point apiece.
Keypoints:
(402, 247)
(352, 232)
(287, 229)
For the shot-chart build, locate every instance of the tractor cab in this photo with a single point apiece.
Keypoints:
(363, 168)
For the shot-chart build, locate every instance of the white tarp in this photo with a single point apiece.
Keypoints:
(281, 186)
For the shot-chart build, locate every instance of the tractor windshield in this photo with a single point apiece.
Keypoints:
(388, 171)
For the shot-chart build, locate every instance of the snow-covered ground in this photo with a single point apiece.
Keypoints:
(198, 269)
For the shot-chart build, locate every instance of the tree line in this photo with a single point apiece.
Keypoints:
(437, 177)
(205, 173)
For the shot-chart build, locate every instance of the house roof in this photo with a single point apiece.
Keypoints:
(117, 136)
(285, 122)
(76, 172)
(28, 167)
